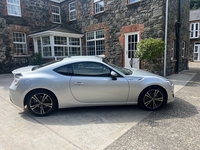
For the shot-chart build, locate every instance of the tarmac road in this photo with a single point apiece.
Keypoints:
(97, 128)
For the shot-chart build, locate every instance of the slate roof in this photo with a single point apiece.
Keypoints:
(59, 28)
(195, 14)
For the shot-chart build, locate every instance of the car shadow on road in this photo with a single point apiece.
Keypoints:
(113, 114)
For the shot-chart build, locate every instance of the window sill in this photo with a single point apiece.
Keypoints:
(99, 13)
(131, 4)
(72, 20)
(194, 37)
(21, 56)
(14, 15)
(56, 22)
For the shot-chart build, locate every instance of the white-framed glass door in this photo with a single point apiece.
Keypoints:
(131, 40)
(196, 52)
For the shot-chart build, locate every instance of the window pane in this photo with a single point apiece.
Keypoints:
(195, 56)
(91, 48)
(100, 34)
(46, 51)
(55, 10)
(46, 41)
(20, 49)
(196, 49)
(19, 37)
(90, 69)
(14, 1)
(60, 40)
(55, 18)
(197, 26)
(14, 10)
(132, 1)
(74, 51)
(90, 35)
(72, 15)
(72, 6)
(58, 51)
(100, 47)
(74, 41)
(64, 70)
(99, 6)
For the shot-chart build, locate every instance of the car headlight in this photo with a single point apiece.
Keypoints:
(170, 82)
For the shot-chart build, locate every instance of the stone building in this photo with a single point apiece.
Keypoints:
(194, 35)
(60, 28)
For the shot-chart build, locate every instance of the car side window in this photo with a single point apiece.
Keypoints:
(90, 69)
(64, 70)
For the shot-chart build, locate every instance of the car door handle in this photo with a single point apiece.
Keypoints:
(78, 83)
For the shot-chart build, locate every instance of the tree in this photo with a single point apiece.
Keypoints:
(194, 4)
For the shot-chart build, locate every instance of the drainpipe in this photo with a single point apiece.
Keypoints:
(166, 32)
(178, 26)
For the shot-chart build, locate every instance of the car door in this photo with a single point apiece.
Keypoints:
(92, 83)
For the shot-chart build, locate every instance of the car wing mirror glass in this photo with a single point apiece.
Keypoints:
(113, 75)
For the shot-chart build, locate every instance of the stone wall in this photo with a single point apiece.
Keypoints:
(145, 16)
(184, 34)
(36, 15)
(121, 18)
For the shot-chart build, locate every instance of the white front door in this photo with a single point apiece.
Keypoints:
(197, 52)
(131, 40)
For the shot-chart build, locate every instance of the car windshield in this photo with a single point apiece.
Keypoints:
(45, 64)
(122, 70)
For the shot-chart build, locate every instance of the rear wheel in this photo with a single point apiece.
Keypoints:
(41, 103)
(152, 98)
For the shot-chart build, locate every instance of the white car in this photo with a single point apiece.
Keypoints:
(86, 81)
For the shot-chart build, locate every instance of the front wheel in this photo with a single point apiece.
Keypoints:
(152, 98)
(41, 102)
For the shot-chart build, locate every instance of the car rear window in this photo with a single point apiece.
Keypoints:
(45, 64)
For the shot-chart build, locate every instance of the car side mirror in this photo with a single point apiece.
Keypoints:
(113, 75)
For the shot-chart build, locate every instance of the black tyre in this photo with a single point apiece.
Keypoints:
(152, 98)
(41, 103)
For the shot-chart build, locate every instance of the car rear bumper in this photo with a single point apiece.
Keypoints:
(15, 98)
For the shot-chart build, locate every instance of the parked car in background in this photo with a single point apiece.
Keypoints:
(81, 81)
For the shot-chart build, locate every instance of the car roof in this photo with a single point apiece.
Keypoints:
(72, 59)
(86, 58)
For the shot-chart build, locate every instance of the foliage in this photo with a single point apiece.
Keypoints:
(194, 4)
(150, 49)
(37, 60)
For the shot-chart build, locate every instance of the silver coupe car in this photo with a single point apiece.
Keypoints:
(86, 81)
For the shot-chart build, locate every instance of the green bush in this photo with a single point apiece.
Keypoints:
(150, 49)
(37, 60)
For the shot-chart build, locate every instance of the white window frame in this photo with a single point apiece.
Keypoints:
(194, 30)
(72, 11)
(55, 14)
(196, 44)
(16, 5)
(96, 2)
(183, 48)
(132, 1)
(52, 45)
(95, 39)
(22, 43)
